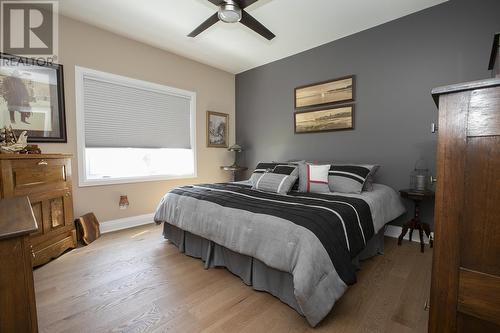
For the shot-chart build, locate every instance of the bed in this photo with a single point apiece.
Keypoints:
(303, 248)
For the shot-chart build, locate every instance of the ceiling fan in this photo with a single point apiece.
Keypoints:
(232, 11)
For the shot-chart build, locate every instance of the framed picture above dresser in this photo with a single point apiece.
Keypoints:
(32, 98)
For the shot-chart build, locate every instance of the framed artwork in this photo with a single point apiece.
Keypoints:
(217, 129)
(335, 118)
(335, 91)
(32, 98)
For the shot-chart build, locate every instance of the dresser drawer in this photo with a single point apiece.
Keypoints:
(22, 177)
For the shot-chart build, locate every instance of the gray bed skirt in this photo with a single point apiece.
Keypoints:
(252, 271)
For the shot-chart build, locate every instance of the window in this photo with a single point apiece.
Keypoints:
(131, 131)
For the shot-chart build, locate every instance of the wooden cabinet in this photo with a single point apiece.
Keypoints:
(465, 289)
(17, 296)
(46, 180)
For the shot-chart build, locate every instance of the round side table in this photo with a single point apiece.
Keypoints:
(415, 223)
(234, 169)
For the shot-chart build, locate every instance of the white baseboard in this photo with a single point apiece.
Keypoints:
(394, 231)
(125, 223)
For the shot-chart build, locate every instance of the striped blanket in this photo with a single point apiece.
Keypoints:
(312, 236)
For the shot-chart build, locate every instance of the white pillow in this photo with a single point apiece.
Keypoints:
(313, 178)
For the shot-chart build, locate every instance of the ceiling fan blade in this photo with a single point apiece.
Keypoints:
(217, 2)
(255, 25)
(205, 25)
(244, 3)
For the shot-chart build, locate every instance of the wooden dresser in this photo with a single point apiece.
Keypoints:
(465, 288)
(46, 180)
(17, 294)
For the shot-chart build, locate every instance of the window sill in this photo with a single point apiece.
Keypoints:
(115, 181)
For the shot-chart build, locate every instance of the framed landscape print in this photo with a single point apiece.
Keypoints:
(32, 98)
(324, 120)
(340, 90)
(217, 129)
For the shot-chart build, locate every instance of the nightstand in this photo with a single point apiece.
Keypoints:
(415, 224)
(234, 169)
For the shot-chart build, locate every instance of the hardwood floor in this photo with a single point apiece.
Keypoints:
(135, 281)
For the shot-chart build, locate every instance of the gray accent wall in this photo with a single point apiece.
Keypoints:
(396, 65)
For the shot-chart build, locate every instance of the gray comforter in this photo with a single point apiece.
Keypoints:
(276, 241)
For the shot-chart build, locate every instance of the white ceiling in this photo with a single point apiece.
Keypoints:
(298, 24)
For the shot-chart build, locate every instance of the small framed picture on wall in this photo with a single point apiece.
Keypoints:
(217, 129)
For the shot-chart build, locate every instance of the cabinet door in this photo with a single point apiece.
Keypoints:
(465, 290)
(479, 252)
(53, 213)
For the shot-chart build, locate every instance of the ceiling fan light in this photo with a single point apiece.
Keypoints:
(229, 13)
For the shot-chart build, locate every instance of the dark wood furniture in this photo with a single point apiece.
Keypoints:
(465, 288)
(46, 180)
(415, 224)
(17, 294)
(234, 169)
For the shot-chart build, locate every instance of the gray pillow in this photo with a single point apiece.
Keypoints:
(351, 178)
(285, 169)
(275, 182)
(260, 169)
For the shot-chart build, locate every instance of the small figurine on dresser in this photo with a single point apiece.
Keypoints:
(11, 144)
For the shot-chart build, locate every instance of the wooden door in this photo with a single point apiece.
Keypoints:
(54, 215)
(465, 291)
(53, 211)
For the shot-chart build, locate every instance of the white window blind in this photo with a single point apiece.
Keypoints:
(121, 114)
(130, 130)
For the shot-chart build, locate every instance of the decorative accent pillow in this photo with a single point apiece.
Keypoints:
(291, 170)
(275, 182)
(351, 178)
(295, 187)
(261, 169)
(313, 178)
(285, 169)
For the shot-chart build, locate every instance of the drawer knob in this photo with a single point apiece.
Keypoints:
(433, 180)
(43, 162)
(67, 194)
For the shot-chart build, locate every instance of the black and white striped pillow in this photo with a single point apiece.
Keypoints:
(261, 169)
(275, 182)
(350, 178)
(290, 169)
(285, 169)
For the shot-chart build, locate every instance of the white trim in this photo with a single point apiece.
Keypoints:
(281, 183)
(80, 74)
(258, 181)
(113, 181)
(394, 231)
(341, 202)
(129, 222)
(346, 173)
(125, 223)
